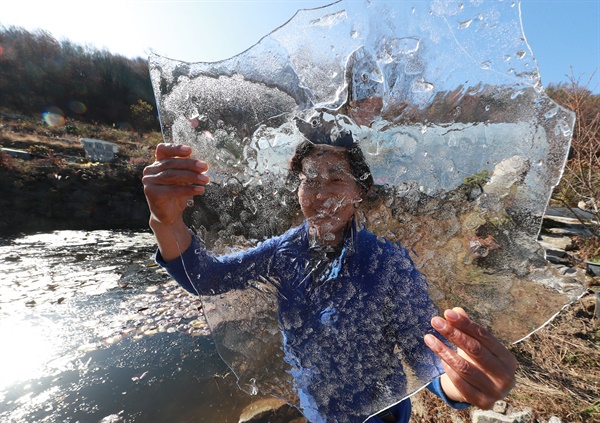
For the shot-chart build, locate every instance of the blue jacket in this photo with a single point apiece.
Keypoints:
(351, 322)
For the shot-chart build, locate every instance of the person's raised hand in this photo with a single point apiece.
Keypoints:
(171, 181)
(482, 370)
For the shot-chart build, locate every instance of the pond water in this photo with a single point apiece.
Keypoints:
(92, 330)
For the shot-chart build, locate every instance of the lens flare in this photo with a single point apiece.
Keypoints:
(77, 107)
(53, 119)
(53, 116)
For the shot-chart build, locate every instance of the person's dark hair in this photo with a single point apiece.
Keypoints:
(358, 165)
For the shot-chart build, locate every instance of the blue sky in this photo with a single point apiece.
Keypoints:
(561, 33)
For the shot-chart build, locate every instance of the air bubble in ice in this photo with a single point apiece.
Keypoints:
(464, 24)
(551, 113)
(329, 236)
(562, 128)
(422, 86)
(516, 94)
(452, 141)
(252, 388)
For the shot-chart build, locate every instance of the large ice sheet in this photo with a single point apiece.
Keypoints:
(445, 101)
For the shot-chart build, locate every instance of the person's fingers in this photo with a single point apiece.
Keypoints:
(176, 163)
(461, 311)
(483, 369)
(175, 177)
(458, 319)
(176, 171)
(466, 369)
(165, 151)
(474, 349)
(469, 393)
(154, 191)
(474, 385)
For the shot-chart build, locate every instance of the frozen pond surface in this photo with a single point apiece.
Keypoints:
(91, 328)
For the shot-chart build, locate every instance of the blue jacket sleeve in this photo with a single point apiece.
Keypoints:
(436, 388)
(402, 410)
(200, 273)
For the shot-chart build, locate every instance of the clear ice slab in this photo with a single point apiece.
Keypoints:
(445, 101)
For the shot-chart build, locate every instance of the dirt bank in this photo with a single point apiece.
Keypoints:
(58, 188)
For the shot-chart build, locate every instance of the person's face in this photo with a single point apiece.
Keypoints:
(328, 192)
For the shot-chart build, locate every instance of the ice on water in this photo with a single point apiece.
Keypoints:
(446, 102)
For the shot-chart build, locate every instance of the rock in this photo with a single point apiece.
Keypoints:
(560, 243)
(567, 271)
(270, 410)
(500, 407)
(566, 215)
(555, 419)
(489, 416)
(593, 268)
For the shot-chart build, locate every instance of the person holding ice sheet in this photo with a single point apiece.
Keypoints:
(356, 318)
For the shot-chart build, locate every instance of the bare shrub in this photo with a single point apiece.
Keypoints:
(580, 184)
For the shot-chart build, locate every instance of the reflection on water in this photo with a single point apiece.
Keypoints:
(91, 328)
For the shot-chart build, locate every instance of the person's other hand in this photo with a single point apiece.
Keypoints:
(171, 181)
(482, 370)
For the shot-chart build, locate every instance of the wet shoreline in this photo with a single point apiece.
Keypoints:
(91, 328)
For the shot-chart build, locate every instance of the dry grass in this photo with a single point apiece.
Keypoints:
(26, 135)
(560, 366)
(559, 372)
